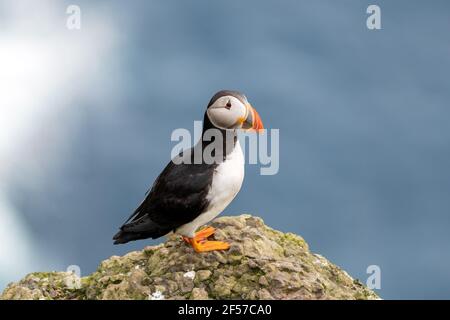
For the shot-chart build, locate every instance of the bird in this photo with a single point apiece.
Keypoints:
(188, 193)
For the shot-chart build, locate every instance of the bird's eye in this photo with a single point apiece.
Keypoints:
(228, 106)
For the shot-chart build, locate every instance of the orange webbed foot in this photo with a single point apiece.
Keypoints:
(209, 245)
(201, 235)
(204, 233)
(201, 244)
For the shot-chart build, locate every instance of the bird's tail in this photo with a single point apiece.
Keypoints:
(124, 237)
(142, 228)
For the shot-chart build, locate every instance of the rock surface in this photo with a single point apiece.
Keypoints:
(261, 264)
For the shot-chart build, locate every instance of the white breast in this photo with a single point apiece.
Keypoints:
(226, 183)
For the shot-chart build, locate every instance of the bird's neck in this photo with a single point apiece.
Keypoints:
(229, 137)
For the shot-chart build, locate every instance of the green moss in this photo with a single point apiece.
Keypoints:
(43, 275)
(295, 240)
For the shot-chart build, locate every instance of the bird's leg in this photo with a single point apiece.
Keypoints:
(201, 244)
(201, 235)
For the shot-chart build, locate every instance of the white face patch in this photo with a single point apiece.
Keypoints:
(226, 112)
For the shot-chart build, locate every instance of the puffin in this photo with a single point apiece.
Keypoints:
(190, 192)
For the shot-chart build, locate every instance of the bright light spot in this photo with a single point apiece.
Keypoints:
(44, 69)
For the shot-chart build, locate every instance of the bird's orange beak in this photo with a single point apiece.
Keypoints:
(253, 121)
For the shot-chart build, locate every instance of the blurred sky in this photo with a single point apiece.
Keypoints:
(86, 118)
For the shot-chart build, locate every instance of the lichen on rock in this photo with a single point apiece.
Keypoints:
(261, 263)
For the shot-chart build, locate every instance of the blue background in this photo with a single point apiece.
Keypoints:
(363, 117)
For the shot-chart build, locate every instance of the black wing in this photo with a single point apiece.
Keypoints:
(177, 197)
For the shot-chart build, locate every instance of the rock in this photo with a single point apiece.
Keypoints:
(262, 263)
(199, 294)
